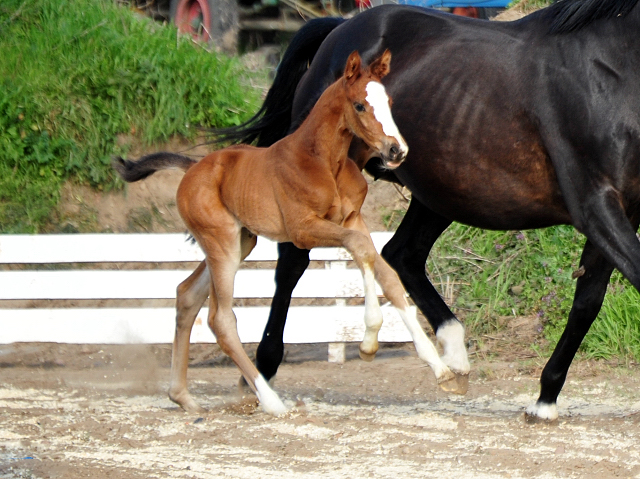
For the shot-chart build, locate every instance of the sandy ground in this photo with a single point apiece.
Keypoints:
(71, 411)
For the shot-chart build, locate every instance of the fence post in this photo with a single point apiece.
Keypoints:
(337, 351)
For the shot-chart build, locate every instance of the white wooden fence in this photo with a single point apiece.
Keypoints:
(53, 289)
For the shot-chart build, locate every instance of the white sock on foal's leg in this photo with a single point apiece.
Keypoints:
(372, 316)
(424, 347)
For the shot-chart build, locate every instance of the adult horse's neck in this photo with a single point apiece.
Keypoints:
(324, 135)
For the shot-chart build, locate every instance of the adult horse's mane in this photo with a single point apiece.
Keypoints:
(570, 15)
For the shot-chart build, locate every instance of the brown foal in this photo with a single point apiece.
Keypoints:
(304, 189)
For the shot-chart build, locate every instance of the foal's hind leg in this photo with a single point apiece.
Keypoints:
(223, 259)
(589, 295)
(191, 295)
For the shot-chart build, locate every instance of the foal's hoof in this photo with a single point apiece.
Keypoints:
(186, 402)
(368, 357)
(458, 384)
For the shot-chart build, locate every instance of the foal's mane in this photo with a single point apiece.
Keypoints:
(567, 16)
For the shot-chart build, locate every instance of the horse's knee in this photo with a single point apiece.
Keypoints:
(225, 343)
(185, 299)
(362, 249)
(225, 332)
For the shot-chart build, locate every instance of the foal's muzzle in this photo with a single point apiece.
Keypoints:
(394, 155)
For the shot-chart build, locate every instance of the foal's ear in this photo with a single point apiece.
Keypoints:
(381, 65)
(352, 69)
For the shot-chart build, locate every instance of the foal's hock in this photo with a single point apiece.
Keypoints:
(304, 189)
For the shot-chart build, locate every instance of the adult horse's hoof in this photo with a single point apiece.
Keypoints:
(366, 356)
(458, 384)
(533, 419)
(541, 412)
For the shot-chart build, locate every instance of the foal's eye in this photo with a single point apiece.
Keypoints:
(359, 107)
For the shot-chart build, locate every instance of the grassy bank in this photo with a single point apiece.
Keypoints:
(493, 276)
(76, 76)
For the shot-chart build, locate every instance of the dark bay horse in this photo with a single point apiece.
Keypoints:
(516, 125)
(303, 189)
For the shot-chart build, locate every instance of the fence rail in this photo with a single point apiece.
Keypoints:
(54, 288)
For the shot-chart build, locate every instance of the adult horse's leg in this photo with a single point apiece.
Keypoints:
(292, 262)
(191, 294)
(590, 290)
(407, 253)
(612, 242)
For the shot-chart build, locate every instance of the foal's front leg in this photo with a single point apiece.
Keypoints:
(318, 232)
(372, 312)
(395, 292)
(407, 253)
(356, 239)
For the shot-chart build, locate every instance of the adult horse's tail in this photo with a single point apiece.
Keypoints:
(273, 120)
(147, 165)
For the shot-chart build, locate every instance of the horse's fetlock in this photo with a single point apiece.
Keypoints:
(182, 398)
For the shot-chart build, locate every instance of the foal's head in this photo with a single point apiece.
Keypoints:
(369, 112)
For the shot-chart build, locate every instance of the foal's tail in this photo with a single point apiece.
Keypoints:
(131, 171)
(273, 120)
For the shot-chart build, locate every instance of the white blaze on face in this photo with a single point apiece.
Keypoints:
(379, 101)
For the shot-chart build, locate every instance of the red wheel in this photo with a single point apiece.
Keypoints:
(194, 18)
(466, 12)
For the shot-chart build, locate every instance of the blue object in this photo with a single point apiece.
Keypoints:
(457, 3)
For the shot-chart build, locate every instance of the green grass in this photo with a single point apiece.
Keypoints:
(77, 76)
(616, 331)
(499, 274)
(528, 6)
